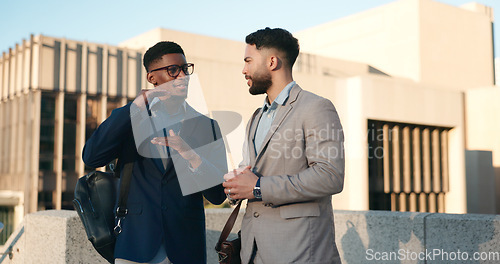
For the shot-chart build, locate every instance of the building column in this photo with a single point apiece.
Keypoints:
(81, 107)
(124, 74)
(84, 73)
(21, 156)
(2, 136)
(58, 149)
(105, 63)
(33, 126)
(101, 116)
(355, 195)
(7, 140)
(58, 128)
(103, 98)
(456, 199)
(28, 142)
(13, 141)
(34, 112)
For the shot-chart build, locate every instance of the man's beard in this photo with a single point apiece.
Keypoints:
(260, 83)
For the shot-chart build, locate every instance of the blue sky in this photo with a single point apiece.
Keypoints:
(114, 21)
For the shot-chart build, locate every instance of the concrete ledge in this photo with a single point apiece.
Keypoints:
(371, 236)
(473, 234)
(380, 231)
(57, 237)
(361, 236)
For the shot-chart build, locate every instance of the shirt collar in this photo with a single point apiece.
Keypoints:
(156, 102)
(281, 98)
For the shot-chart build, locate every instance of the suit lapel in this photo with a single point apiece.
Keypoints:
(278, 120)
(251, 135)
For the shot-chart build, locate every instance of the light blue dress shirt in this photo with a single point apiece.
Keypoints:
(164, 119)
(268, 114)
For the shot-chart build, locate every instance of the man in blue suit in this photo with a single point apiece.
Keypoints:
(162, 225)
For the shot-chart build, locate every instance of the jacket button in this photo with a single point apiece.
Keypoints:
(164, 181)
(164, 207)
(255, 214)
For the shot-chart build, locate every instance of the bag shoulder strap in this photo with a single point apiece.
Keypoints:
(213, 129)
(121, 209)
(228, 226)
(124, 189)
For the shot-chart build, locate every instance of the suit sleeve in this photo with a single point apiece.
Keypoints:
(215, 163)
(106, 142)
(324, 153)
(206, 141)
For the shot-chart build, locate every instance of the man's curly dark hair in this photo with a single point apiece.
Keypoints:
(158, 50)
(277, 38)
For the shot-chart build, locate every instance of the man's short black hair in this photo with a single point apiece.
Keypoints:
(158, 50)
(277, 38)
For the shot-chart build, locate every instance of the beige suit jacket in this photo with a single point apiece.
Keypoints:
(302, 165)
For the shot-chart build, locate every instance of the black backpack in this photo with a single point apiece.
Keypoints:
(95, 197)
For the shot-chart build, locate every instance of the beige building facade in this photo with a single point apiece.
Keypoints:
(54, 92)
(413, 82)
(423, 40)
(448, 52)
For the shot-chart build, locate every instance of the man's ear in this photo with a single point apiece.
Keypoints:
(274, 63)
(151, 78)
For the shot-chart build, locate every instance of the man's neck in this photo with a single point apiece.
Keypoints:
(276, 88)
(173, 106)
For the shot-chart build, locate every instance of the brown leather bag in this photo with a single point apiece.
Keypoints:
(229, 250)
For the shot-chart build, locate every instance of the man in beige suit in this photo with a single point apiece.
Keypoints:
(293, 161)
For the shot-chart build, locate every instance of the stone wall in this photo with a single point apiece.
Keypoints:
(361, 236)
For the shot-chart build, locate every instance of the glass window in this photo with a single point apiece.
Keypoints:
(91, 117)
(69, 134)
(92, 112)
(47, 122)
(7, 218)
(113, 103)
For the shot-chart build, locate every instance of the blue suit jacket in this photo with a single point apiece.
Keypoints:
(158, 212)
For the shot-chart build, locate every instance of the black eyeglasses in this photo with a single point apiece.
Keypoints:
(174, 70)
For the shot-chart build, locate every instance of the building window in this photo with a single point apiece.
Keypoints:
(112, 104)
(7, 218)
(69, 133)
(408, 166)
(47, 175)
(91, 117)
(69, 150)
(47, 124)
